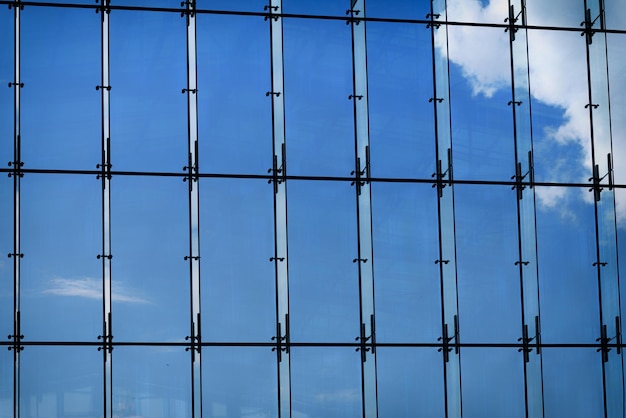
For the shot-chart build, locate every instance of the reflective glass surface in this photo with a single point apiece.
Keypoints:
(61, 238)
(148, 72)
(150, 278)
(325, 382)
(323, 278)
(318, 111)
(409, 380)
(151, 382)
(239, 382)
(487, 249)
(568, 281)
(60, 63)
(407, 284)
(59, 382)
(234, 120)
(237, 241)
(401, 135)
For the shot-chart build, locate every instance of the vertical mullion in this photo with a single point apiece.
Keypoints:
(446, 225)
(106, 215)
(16, 215)
(604, 200)
(194, 211)
(364, 211)
(521, 107)
(281, 258)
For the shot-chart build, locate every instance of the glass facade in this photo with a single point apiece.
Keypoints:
(306, 209)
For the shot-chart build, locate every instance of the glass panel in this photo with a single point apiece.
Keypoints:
(616, 50)
(407, 285)
(323, 279)
(61, 235)
(318, 80)
(235, 119)
(148, 112)
(151, 382)
(487, 249)
(6, 384)
(237, 240)
(572, 382)
(239, 5)
(400, 83)
(319, 7)
(60, 66)
(614, 14)
(6, 247)
(6, 94)
(561, 132)
(410, 380)
(493, 383)
(326, 382)
(239, 382)
(555, 13)
(480, 11)
(416, 9)
(482, 122)
(61, 382)
(568, 282)
(150, 234)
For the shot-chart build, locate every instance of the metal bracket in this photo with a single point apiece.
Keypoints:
(272, 10)
(107, 338)
(352, 13)
(104, 8)
(107, 88)
(195, 339)
(192, 168)
(432, 24)
(194, 91)
(191, 257)
(12, 84)
(17, 4)
(17, 255)
(190, 9)
(519, 177)
(363, 340)
(588, 32)
(604, 340)
(596, 188)
(440, 175)
(279, 174)
(446, 347)
(17, 335)
(109, 256)
(362, 175)
(282, 341)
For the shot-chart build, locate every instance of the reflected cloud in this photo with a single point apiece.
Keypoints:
(346, 395)
(555, 81)
(91, 289)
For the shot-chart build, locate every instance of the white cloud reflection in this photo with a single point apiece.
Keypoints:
(558, 77)
(91, 289)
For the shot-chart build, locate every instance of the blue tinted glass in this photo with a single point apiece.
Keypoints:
(61, 236)
(409, 380)
(60, 64)
(568, 281)
(399, 69)
(59, 382)
(239, 381)
(234, 113)
(148, 72)
(237, 241)
(406, 278)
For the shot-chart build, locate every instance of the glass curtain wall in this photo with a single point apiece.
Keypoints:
(306, 209)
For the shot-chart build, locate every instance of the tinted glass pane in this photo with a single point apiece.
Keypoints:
(151, 382)
(492, 382)
(6, 247)
(237, 240)
(6, 95)
(321, 7)
(148, 71)
(61, 278)
(410, 380)
(400, 83)
(572, 371)
(235, 119)
(407, 285)
(6, 384)
(239, 382)
(60, 67)
(318, 80)
(561, 131)
(482, 122)
(568, 281)
(59, 382)
(402, 9)
(150, 237)
(555, 13)
(488, 279)
(326, 382)
(323, 279)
